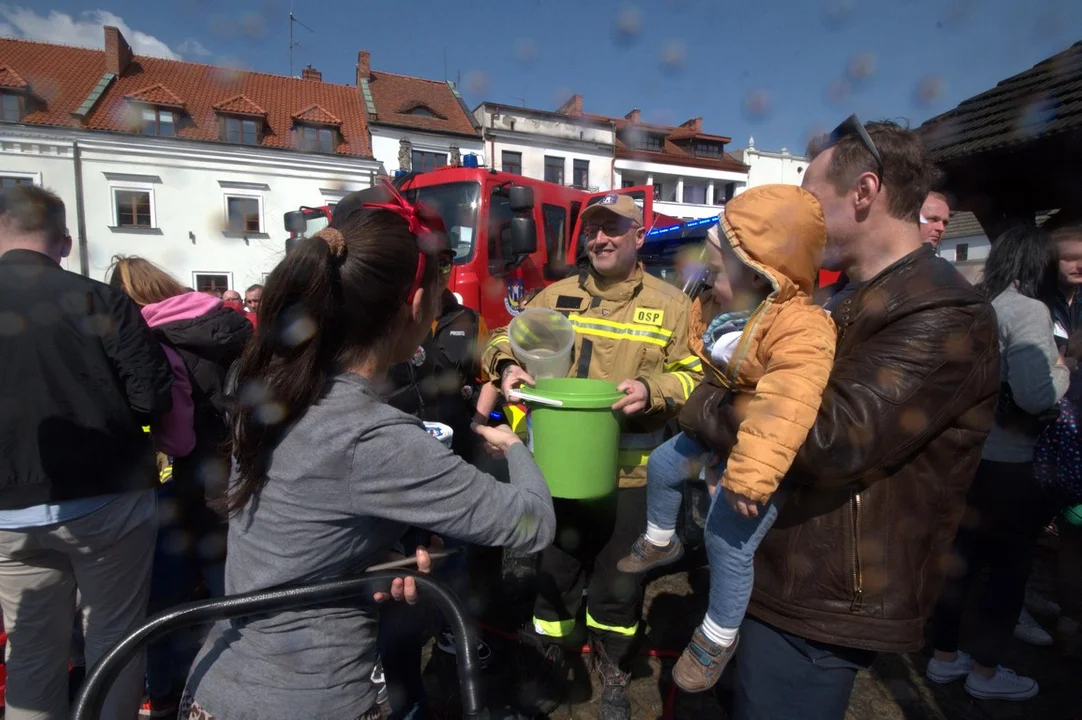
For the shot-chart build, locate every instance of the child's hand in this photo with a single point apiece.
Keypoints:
(742, 504)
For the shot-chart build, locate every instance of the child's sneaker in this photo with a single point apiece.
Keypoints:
(1004, 685)
(943, 672)
(646, 556)
(702, 662)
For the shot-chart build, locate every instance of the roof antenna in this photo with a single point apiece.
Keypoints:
(292, 44)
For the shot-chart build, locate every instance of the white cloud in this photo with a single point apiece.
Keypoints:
(84, 31)
(191, 46)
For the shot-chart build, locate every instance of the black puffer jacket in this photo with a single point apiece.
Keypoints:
(209, 338)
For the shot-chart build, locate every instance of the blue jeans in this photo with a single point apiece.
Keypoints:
(731, 538)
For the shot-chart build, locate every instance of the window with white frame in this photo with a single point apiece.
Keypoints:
(10, 180)
(133, 207)
(244, 213)
(210, 281)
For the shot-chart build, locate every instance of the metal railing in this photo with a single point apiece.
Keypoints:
(101, 677)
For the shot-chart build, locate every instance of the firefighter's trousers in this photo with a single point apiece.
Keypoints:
(591, 537)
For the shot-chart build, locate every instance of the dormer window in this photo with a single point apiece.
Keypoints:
(158, 121)
(316, 130)
(157, 109)
(241, 121)
(317, 139)
(12, 107)
(707, 150)
(421, 111)
(242, 131)
(14, 95)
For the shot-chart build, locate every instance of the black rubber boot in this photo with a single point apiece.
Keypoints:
(615, 701)
(543, 680)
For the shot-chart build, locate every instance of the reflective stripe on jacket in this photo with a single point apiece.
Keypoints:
(635, 329)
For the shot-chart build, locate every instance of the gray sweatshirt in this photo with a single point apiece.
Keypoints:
(344, 484)
(1028, 355)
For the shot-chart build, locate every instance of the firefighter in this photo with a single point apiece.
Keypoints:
(630, 328)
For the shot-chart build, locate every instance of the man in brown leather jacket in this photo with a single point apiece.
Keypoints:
(853, 564)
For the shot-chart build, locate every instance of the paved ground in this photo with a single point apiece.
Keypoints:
(893, 689)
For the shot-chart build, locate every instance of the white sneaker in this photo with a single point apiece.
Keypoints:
(1030, 631)
(1004, 685)
(1041, 605)
(941, 671)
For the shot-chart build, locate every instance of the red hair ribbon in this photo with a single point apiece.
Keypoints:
(422, 221)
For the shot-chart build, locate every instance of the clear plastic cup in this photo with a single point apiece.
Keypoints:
(542, 341)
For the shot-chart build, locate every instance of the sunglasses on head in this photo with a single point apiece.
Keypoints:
(853, 127)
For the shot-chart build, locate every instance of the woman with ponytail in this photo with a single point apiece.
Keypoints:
(327, 476)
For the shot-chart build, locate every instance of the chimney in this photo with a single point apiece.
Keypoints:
(364, 66)
(573, 106)
(634, 117)
(310, 73)
(695, 124)
(117, 51)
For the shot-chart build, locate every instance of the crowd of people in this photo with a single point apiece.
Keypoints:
(864, 452)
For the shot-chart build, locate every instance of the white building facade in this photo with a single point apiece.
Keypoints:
(176, 202)
(573, 151)
(766, 167)
(691, 174)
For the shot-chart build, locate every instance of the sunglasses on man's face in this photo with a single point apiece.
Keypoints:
(612, 228)
(446, 265)
(853, 127)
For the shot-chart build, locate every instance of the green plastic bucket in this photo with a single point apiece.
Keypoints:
(576, 445)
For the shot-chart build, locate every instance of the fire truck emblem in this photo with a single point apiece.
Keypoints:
(609, 199)
(515, 299)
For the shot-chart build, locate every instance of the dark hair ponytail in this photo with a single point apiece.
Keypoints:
(330, 301)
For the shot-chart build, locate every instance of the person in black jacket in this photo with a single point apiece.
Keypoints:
(80, 376)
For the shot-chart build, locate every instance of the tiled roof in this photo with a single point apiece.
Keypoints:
(240, 105)
(317, 114)
(62, 77)
(11, 79)
(156, 95)
(963, 224)
(395, 95)
(1044, 100)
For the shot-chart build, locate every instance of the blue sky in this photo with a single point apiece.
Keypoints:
(775, 69)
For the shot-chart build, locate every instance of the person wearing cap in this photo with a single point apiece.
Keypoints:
(632, 329)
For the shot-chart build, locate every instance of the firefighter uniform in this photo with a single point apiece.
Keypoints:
(634, 329)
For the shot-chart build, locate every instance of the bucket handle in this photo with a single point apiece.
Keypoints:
(530, 397)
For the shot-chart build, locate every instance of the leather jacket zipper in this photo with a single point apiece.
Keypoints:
(858, 569)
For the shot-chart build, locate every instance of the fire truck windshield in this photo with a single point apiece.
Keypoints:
(457, 203)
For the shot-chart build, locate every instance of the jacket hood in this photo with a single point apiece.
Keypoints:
(782, 232)
(200, 325)
(181, 307)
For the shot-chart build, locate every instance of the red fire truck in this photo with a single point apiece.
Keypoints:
(512, 235)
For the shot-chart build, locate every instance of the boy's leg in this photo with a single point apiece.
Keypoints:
(670, 465)
(731, 541)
